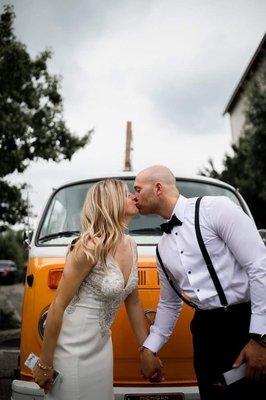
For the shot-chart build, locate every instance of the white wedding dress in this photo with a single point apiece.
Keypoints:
(84, 353)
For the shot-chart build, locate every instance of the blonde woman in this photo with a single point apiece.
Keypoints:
(100, 273)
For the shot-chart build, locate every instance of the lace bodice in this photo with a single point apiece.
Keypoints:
(105, 289)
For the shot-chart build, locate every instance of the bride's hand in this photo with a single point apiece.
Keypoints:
(151, 366)
(158, 376)
(43, 378)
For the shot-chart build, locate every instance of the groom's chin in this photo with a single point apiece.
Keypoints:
(142, 212)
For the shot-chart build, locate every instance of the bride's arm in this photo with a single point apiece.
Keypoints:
(134, 308)
(153, 366)
(136, 317)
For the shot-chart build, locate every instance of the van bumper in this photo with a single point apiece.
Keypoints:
(29, 390)
(190, 392)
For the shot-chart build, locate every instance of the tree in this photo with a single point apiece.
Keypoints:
(31, 122)
(246, 167)
(11, 247)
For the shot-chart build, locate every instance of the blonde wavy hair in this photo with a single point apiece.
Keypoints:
(102, 220)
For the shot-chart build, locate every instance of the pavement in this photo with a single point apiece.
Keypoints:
(10, 301)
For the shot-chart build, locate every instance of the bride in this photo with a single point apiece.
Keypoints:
(100, 274)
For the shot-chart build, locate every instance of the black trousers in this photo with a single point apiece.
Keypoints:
(218, 338)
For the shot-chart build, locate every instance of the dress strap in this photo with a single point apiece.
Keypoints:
(133, 245)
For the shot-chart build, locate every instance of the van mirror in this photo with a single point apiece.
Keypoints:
(262, 233)
(27, 236)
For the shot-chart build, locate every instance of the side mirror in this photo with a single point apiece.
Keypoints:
(262, 233)
(27, 236)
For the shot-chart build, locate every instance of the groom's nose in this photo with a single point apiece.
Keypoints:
(132, 197)
(135, 196)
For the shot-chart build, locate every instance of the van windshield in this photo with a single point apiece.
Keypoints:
(61, 221)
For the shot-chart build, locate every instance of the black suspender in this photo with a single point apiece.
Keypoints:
(188, 302)
(207, 258)
(208, 262)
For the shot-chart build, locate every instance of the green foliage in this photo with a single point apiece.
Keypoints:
(12, 206)
(31, 123)
(11, 247)
(246, 167)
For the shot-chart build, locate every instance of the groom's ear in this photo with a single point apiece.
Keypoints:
(158, 188)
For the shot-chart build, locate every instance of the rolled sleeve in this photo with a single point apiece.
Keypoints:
(240, 234)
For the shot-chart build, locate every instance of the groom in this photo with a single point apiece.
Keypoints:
(212, 252)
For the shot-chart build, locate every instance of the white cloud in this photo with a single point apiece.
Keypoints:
(169, 67)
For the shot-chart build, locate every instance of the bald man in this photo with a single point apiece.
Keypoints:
(226, 286)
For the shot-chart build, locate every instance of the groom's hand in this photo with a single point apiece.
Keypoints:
(158, 376)
(150, 366)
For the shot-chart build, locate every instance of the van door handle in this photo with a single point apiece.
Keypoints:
(150, 314)
(30, 279)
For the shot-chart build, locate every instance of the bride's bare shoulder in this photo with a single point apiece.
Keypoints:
(78, 255)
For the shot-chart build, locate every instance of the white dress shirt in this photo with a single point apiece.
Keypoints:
(238, 255)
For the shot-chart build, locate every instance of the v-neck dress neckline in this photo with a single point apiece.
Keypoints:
(115, 263)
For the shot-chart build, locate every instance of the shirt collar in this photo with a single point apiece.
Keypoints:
(180, 207)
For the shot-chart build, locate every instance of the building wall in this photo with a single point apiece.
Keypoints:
(237, 118)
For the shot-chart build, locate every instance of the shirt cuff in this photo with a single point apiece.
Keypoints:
(258, 324)
(154, 342)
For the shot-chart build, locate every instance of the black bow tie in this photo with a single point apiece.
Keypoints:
(168, 226)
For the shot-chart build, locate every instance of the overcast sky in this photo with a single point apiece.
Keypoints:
(168, 66)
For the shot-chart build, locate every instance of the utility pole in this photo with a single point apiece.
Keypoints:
(128, 166)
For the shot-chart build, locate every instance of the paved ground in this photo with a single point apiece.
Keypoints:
(10, 300)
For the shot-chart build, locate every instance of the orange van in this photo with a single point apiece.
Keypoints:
(58, 225)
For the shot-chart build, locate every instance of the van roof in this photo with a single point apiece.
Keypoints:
(132, 175)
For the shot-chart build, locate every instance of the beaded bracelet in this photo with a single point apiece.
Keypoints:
(44, 367)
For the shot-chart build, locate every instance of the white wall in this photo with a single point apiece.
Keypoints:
(237, 118)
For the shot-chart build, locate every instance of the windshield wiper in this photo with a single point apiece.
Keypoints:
(58, 235)
(147, 231)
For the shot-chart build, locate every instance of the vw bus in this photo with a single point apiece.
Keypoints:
(58, 225)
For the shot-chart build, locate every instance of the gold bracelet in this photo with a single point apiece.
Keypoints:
(44, 367)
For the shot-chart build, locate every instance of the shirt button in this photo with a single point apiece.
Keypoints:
(189, 272)
(198, 290)
(176, 233)
(182, 251)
